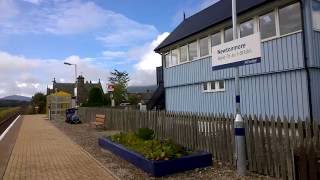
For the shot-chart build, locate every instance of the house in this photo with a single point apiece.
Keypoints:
(142, 92)
(285, 83)
(83, 88)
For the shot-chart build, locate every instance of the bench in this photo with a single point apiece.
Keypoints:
(100, 119)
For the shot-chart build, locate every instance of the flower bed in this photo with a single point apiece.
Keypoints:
(155, 157)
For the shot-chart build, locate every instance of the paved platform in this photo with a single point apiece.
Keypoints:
(44, 152)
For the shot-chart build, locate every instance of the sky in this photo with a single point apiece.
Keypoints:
(38, 36)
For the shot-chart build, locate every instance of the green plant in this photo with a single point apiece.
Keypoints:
(96, 98)
(151, 149)
(145, 133)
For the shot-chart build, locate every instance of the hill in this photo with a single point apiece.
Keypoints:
(16, 98)
(141, 89)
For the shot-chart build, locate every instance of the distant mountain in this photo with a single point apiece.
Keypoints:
(16, 98)
(141, 89)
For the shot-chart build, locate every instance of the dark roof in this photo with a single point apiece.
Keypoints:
(66, 87)
(141, 89)
(206, 18)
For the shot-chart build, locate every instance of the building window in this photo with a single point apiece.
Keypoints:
(184, 54)
(205, 86)
(247, 28)
(316, 14)
(228, 35)
(193, 51)
(290, 19)
(174, 57)
(204, 46)
(221, 85)
(167, 59)
(213, 86)
(267, 25)
(216, 39)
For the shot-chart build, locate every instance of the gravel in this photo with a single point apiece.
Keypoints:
(87, 137)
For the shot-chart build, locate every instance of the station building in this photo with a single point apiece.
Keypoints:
(285, 83)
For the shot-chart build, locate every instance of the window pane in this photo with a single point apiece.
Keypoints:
(228, 35)
(204, 46)
(205, 86)
(167, 58)
(316, 14)
(184, 53)
(174, 57)
(290, 19)
(213, 85)
(216, 39)
(193, 51)
(267, 25)
(221, 84)
(246, 28)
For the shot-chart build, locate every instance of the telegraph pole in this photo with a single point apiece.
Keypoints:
(240, 146)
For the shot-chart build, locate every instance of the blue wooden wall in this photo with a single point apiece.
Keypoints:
(280, 54)
(283, 94)
(276, 86)
(315, 62)
(315, 76)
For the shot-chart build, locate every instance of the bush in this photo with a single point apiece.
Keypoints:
(151, 149)
(95, 99)
(145, 134)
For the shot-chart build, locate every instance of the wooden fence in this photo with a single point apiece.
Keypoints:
(270, 141)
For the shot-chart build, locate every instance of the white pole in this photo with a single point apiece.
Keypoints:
(76, 81)
(239, 124)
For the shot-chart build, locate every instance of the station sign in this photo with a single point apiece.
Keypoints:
(239, 52)
(110, 88)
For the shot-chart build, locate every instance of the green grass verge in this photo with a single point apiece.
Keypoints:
(5, 112)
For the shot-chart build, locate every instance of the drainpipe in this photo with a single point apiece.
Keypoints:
(307, 46)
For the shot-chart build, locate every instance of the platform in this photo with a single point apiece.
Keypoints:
(44, 152)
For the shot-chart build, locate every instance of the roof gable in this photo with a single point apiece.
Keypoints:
(206, 18)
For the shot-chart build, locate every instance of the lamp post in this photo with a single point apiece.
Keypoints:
(75, 78)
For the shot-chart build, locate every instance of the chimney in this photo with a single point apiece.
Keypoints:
(80, 79)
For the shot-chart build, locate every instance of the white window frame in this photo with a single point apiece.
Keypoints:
(187, 61)
(254, 26)
(218, 89)
(276, 21)
(313, 27)
(222, 32)
(209, 47)
(178, 58)
(165, 54)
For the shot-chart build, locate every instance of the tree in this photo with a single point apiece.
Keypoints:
(134, 99)
(39, 100)
(96, 97)
(119, 80)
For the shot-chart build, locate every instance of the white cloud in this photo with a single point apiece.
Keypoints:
(73, 17)
(25, 76)
(114, 54)
(33, 1)
(8, 9)
(145, 69)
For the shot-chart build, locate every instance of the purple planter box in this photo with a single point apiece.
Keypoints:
(158, 168)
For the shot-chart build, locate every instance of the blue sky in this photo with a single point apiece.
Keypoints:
(37, 36)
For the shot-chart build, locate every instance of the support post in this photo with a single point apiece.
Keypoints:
(112, 100)
(239, 123)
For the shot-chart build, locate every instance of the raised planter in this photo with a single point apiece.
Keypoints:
(158, 168)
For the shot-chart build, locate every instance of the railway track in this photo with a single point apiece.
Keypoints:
(6, 122)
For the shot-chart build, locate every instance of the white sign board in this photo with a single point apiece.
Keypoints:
(243, 51)
(110, 88)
